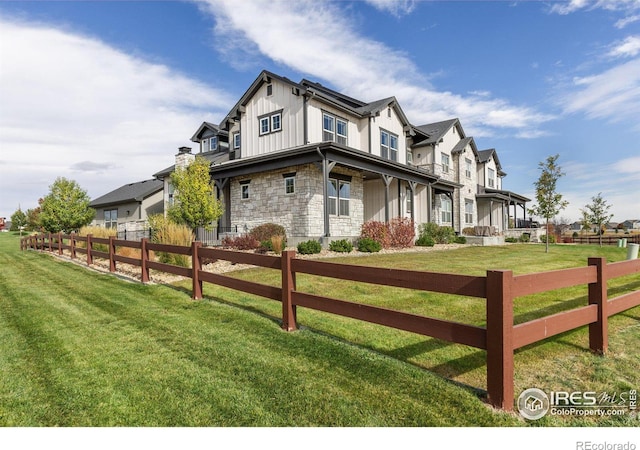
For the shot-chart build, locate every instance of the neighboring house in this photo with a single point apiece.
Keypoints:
(633, 224)
(133, 202)
(321, 164)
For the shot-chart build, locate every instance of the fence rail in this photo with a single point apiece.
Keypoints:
(500, 337)
(607, 240)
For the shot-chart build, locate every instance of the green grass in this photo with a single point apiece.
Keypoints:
(86, 349)
(81, 348)
(560, 363)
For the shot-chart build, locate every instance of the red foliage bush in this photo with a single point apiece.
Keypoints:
(378, 231)
(242, 242)
(402, 232)
(398, 233)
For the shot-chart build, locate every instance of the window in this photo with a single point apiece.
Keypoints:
(409, 158)
(264, 125)
(270, 123)
(110, 218)
(244, 190)
(276, 122)
(491, 175)
(444, 160)
(468, 167)
(213, 143)
(409, 200)
(339, 192)
(334, 129)
(236, 140)
(446, 208)
(269, 89)
(388, 145)
(468, 211)
(290, 185)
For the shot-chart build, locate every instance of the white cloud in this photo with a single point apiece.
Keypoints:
(622, 23)
(77, 107)
(302, 36)
(572, 6)
(396, 7)
(627, 48)
(613, 95)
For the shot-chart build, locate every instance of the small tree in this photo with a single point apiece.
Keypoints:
(18, 221)
(66, 207)
(550, 202)
(585, 222)
(195, 204)
(598, 213)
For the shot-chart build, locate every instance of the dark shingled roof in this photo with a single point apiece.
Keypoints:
(435, 131)
(132, 192)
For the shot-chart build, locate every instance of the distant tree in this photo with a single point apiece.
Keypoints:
(18, 221)
(598, 213)
(195, 203)
(561, 225)
(550, 202)
(585, 221)
(66, 207)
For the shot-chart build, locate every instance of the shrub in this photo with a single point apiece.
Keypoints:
(277, 244)
(425, 241)
(99, 232)
(242, 242)
(342, 246)
(266, 231)
(460, 240)
(402, 232)
(441, 235)
(378, 231)
(552, 239)
(309, 247)
(165, 231)
(525, 237)
(369, 245)
(575, 234)
(511, 240)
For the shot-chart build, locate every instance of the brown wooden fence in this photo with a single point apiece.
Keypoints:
(606, 240)
(500, 337)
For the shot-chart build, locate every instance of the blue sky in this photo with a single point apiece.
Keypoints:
(105, 92)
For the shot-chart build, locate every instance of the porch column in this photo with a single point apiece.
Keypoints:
(386, 179)
(326, 169)
(412, 187)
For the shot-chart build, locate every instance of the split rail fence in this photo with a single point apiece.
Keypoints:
(499, 288)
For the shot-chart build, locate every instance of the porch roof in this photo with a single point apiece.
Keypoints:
(511, 196)
(342, 155)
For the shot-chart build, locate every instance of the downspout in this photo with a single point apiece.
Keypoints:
(305, 128)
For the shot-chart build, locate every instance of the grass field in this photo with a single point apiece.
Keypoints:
(80, 348)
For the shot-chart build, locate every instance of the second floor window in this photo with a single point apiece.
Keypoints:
(444, 160)
(334, 129)
(270, 123)
(468, 166)
(491, 178)
(388, 145)
(236, 140)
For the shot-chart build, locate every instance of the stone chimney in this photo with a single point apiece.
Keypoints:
(184, 157)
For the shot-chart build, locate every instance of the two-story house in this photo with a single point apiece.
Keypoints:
(321, 164)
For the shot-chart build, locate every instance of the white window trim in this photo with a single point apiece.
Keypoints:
(335, 136)
(445, 162)
(293, 179)
(236, 140)
(446, 215)
(392, 152)
(244, 188)
(279, 128)
(261, 125)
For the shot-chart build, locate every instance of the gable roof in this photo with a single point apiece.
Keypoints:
(132, 192)
(207, 126)
(485, 155)
(434, 132)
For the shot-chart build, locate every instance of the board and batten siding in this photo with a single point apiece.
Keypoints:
(292, 122)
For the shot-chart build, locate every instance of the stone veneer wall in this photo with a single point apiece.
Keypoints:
(300, 213)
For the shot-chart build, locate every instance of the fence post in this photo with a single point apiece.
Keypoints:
(89, 255)
(196, 266)
(50, 242)
(59, 243)
(72, 245)
(144, 259)
(289, 319)
(500, 369)
(112, 254)
(599, 331)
